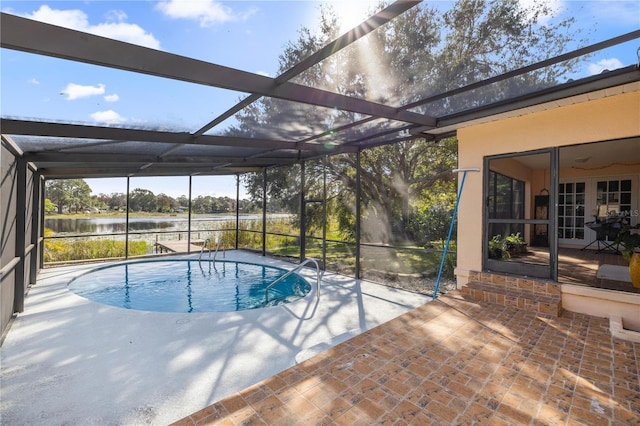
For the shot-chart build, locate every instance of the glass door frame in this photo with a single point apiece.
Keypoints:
(549, 271)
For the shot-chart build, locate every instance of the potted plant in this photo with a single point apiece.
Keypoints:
(505, 248)
(629, 237)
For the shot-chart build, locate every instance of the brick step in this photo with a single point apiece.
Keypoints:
(549, 304)
(526, 284)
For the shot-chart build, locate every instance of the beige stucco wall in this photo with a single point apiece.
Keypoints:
(608, 118)
(602, 303)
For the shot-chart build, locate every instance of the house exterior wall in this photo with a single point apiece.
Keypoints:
(607, 118)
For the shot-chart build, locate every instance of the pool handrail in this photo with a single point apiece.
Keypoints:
(218, 244)
(293, 271)
(208, 240)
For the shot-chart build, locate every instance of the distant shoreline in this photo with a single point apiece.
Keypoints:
(150, 215)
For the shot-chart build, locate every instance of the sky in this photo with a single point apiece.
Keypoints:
(247, 35)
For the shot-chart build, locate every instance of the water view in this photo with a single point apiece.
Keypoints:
(104, 237)
(115, 225)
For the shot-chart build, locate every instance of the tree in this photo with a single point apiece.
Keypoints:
(395, 176)
(226, 204)
(142, 200)
(420, 53)
(70, 195)
(183, 201)
(56, 192)
(49, 206)
(166, 204)
(115, 201)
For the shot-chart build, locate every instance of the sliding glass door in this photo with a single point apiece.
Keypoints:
(519, 216)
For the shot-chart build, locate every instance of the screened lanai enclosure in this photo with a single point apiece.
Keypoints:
(343, 150)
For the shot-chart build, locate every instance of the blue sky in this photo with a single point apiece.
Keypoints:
(248, 35)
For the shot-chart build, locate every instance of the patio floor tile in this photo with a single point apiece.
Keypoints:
(453, 361)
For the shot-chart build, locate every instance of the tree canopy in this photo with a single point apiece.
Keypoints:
(71, 195)
(74, 195)
(423, 52)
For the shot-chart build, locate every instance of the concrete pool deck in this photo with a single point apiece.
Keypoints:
(68, 360)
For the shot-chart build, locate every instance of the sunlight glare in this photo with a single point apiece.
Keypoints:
(377, 80)
(352, 12)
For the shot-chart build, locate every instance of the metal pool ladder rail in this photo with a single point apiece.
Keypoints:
(293, 271)
(219, 243)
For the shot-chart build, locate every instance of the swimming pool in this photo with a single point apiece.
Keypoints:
(187, 285)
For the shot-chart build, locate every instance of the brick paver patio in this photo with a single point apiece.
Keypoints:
(453, 361)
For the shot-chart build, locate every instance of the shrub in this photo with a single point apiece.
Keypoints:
(65, 250)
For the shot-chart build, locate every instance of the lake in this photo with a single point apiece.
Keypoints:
(113, 225)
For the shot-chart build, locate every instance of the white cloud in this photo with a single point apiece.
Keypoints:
(605, 64)
(116, 15)
(34, 81)
(108, 117)
(112, 98)
(129, 33)
(77, 91)
(206, 12)
(116, 28)
(75, 19)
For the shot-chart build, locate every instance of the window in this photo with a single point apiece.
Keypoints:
(613, 196)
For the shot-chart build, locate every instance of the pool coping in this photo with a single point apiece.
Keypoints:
(87, 363)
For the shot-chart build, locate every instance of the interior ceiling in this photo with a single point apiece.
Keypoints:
(64, 149)
(601, 154)
(589, 155)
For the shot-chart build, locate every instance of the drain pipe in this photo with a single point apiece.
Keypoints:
(453, 220)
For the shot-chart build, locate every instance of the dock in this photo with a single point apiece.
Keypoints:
(177, 246)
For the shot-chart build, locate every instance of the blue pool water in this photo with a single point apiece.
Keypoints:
(182, 285)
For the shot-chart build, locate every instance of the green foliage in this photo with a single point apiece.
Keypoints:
(497, 249)
(61, 250)
(49, 206)
(514, 243)
(69, 195)
(423, 51)
(166, 204)
(283, 188)
(207, 204)
(340, 255)
(430, 224)
(396, 176)
(449, 265)
(226, 237)
(629, 236)
(115, 201)
(142, 200)
(505, 248)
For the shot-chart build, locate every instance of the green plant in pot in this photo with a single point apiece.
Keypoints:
(629, 237)
(505, 248)
(515, 244)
